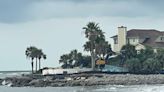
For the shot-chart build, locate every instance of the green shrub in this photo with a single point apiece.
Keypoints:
(133, 65)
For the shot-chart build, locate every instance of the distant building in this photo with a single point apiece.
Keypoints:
(52, 71)
(139, 38)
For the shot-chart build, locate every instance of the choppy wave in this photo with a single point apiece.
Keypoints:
(1, 73)
(10, 74)
(122, 88)
(107, 88)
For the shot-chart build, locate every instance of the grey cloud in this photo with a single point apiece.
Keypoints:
(12, 11)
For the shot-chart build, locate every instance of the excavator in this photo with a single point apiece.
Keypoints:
(101, 62)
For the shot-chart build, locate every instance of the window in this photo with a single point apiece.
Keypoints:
(115, 41)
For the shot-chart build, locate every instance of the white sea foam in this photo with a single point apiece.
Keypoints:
(12, 74)
(113, 88)
(157, 88)
(9, 85)
(4, 82)
(132, 88)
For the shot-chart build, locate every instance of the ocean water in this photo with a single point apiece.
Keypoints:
(4, 74)
(102, 88)
(107, 88)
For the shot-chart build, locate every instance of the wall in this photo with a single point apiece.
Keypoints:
(139, 47)
(115, 48)
(133, 41)
(60, 71)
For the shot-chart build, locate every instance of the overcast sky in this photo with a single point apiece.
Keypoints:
(56, 25)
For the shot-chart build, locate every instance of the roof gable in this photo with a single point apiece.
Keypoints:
(143, 33)
(149, 36)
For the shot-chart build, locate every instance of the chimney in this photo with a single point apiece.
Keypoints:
(121, 37)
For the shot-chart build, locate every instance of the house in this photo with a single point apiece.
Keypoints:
(139, 38)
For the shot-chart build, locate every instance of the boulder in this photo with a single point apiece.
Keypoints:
(83, 78)
(39, 83)
(69, 79)
(75, 83)
(17, 81)
(6, 83)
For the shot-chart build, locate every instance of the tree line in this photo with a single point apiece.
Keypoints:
(146, 61)
(96, 45)
(75, 59)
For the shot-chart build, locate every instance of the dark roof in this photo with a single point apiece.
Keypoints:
(143, 33)
(115, 36)
(149, 36)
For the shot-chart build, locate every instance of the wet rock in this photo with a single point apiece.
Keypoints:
(49, 78)
(1, 81)
(17, 81)
(77, 78)
(39, 83)
(83, 80)
(6, 83)
(69, 79)
(75, 83)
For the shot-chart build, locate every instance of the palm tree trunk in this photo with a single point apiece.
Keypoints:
(93, 60)
(92, 56)
(39, 64)
(36, 65)
(32, 65)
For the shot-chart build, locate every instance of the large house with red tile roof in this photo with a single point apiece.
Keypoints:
(139, 38)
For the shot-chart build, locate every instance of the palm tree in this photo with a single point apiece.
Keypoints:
(151, 65)
(40, 56)
(128, 52)
(76, 57)
(65, 60)
(72, 59)
(44, 56)
(30, 54)
(36, 53)
(159, 56)
(94, 34)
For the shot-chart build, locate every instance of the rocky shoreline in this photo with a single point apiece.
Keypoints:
(81, 80)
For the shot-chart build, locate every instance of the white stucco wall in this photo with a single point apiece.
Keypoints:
(60, 71)
(115, 48)
(133, 41)
(121, 37)
(139, 47)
